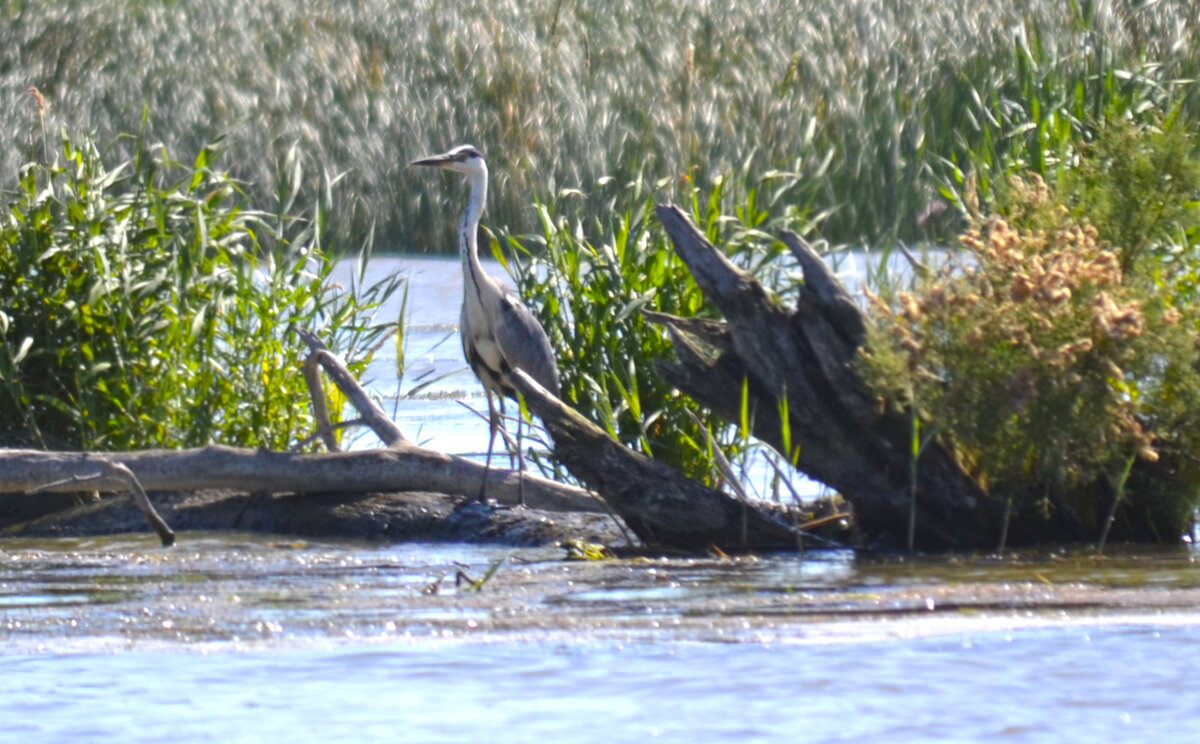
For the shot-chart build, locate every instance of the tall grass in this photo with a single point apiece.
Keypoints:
(878, 101)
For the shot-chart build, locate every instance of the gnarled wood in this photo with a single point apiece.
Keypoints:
(806, 353)
(116, 475)
(402, 467)
(370, 412)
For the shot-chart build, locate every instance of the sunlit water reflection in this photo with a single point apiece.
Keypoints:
(240, 638)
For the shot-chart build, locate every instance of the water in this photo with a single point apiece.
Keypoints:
(432, 352)
(249, 638)
(1091, 685)
(245, 638)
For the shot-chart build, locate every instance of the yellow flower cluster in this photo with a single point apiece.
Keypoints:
(1029, 280)
(1056, 296)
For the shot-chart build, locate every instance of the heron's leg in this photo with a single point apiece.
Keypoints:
(508, 441)
(520, 453)
(520, 460)
(493, 424)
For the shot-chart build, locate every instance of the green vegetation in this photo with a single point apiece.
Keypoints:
(879, 104)
(1057, 355)
(592, 279)
(145, 305)
(1055, 139)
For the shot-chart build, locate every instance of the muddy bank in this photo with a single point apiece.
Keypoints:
(384, 517)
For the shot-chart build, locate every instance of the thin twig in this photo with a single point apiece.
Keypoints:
(116, 473)
(1117, 497)
(302, 443)
(335, 368)
(316, 391)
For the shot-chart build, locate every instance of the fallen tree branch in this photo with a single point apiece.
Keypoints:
(408, 468)
(320, 407)
(368, 409)
(660, 505)
(402, 467)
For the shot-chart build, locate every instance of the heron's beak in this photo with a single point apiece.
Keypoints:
(435, 160)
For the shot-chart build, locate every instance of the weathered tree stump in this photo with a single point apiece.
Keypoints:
(847, 440)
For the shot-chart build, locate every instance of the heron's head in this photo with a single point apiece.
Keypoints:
(463, 159)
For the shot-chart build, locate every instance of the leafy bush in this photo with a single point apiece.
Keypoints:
(1055, 354)
(146, 306)
(1138, 186)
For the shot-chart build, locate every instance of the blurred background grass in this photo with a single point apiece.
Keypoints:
(879, 104)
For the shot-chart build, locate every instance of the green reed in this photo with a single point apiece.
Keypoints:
(589, 281)
(148, 305)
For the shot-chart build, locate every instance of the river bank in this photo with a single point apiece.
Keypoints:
(379, 517)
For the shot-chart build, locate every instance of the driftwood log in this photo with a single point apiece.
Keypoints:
(403, 466)
(847, 440)
(408, 468)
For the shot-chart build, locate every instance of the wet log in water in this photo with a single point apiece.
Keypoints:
(402, 467)
(660, 505)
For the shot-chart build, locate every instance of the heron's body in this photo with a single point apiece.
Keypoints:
(499, 334)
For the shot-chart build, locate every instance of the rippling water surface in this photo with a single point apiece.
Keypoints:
(1109, 684)
(232, 638)
(245, 638)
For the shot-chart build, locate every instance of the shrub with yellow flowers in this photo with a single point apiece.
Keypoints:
(1049, 369)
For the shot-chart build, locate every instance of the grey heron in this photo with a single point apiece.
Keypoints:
(499, 334)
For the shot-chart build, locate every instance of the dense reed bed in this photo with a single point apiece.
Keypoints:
(872, 101)
(148, 305)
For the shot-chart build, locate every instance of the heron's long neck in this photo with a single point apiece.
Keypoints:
(469, 235)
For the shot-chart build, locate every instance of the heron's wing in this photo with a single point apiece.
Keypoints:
(524, 343)
(481, 354)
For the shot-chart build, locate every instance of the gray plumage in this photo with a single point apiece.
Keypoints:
(499, 334)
